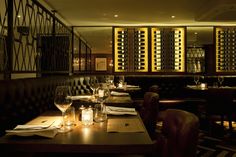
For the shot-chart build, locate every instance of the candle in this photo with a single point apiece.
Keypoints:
(87, 116)
(120, 85)
(203, 85)
(101, 93)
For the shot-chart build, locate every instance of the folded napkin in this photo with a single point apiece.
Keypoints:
(48, 132)
(132, 86)
(192, 86)
(81, 97)
(45, 130)
(120, 110)
(114, 93)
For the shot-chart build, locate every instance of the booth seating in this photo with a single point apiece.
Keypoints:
(24, 99)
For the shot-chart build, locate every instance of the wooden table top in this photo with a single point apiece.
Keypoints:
(83, 139)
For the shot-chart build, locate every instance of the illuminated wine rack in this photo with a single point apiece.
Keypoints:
(131, 49)
(121, 49)
(141, 50)
(225, 49)
(168, 49)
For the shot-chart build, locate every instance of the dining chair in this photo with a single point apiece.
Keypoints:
(149, 111)
(179, 134)
(154, 88)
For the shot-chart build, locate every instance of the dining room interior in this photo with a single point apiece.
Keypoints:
(136, 70)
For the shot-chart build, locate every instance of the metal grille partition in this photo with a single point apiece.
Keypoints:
(3, 34)
(41, 42)
(33, 40)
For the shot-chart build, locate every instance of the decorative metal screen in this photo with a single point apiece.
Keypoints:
(29, 20)
(3, 35)
(76, 60)
(225, 49)
(34, 40)
(32, 23)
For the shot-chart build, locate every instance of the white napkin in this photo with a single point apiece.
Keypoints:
(45, 130)
(48, 132)
(132, 86)
(114, 93)
(81, 97)
(120, 110)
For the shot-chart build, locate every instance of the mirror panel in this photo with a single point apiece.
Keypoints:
(198, 41)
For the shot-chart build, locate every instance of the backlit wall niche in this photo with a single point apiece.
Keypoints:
(131, 49)
(121, 49)
(225, 49)
(141, 50)
(168, 49)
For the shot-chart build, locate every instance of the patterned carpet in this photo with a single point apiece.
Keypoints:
(214, 147)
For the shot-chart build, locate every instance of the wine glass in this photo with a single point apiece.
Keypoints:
(102, 94)
(196, 79)
(93, 84)
(63, 101)
(220, 80)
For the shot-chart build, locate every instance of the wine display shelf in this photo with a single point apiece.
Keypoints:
(131, 49)
(168, 49)
(225, 49)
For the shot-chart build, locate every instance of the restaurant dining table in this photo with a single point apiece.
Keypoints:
(128, 89)
(219, 100)
(124, 134)
(113, 100)
(201, 91)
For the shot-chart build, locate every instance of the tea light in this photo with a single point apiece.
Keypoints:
(203, 85)
(87, 116)
(120, 85)
(101, 93)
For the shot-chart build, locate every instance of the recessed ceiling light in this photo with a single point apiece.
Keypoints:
(195, 33)
(172, 16)
(116, 15)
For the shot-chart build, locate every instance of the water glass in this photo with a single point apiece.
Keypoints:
(69, 117)
(100, 114)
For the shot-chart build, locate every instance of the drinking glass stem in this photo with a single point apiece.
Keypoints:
(63, 120)
(102, 106)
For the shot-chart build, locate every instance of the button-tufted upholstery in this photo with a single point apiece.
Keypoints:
(23, 99)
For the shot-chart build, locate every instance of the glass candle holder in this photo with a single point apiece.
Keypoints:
(87, 116)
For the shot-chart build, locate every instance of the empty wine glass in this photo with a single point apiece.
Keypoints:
(220, 80)
(102, 94)
(63, 101)
(93, 84)
(196, 79)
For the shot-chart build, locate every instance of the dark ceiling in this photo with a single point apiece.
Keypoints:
(139, 12)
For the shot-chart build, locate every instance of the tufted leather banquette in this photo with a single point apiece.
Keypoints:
(23, 99)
